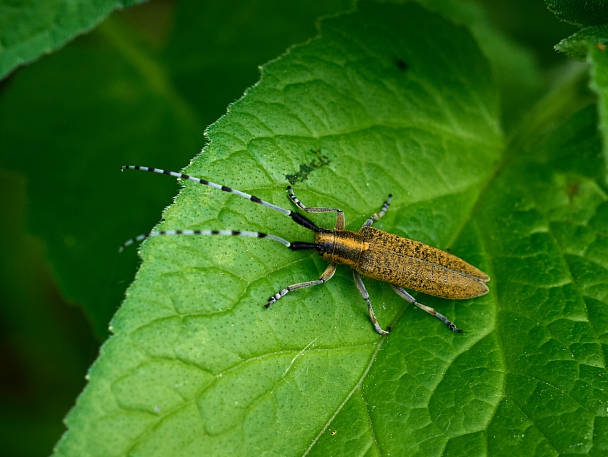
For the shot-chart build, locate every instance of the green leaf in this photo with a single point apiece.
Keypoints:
(577, 45)
(598, 60)
(544, 222)
(589, 12)
(590, 45)
(27, 32)
(398, 100)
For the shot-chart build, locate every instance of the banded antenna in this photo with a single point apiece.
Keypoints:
(296, 217)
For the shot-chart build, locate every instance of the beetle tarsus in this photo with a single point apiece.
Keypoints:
(453, 328)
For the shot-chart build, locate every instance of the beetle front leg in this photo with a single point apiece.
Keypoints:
(326, 276)
(340, 224)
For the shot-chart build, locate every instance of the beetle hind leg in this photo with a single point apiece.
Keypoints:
(403, 294)
(365, 295)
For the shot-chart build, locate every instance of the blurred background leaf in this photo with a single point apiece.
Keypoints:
(31, 29)
(589, 12)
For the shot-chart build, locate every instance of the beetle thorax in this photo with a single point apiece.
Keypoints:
(340, 246)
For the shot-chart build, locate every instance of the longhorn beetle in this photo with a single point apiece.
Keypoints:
(369, 252)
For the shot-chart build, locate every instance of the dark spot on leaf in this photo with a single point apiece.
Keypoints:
(573, 189)
(401, 64)
(305, 169)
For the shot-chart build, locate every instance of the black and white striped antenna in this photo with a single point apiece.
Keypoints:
(296, 217)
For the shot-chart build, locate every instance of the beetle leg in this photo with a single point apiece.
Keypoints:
(402, 293)
(365, 295)
(326, 276)
(339, 216)
(376, 216)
